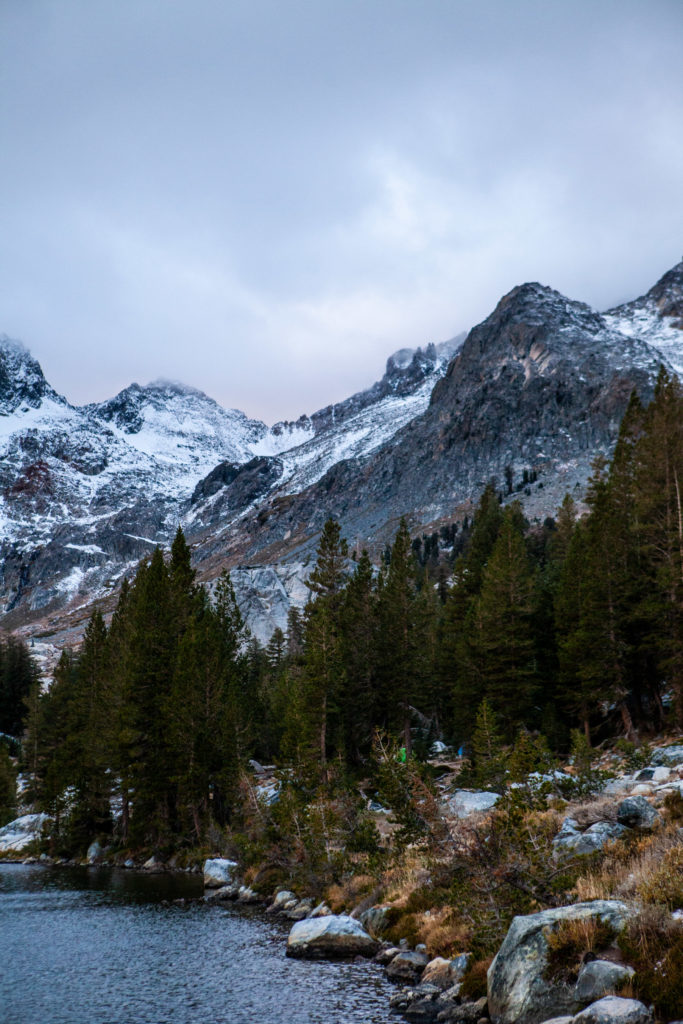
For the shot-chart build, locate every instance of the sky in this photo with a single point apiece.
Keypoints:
(266, 198)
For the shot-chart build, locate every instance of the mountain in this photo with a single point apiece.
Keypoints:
(86, 492)
(528, 398)
(540, 386)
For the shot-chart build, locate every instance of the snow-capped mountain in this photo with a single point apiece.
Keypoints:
(86, 492)
(656, 317)
(540, 385)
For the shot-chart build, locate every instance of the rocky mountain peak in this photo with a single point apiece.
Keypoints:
(668, 294)
(22, 384)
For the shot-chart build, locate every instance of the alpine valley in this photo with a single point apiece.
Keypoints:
(528, 398)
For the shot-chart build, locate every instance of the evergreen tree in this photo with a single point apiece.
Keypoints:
(502, 632)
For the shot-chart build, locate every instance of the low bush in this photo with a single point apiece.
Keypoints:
(653, 944)
(571, 941)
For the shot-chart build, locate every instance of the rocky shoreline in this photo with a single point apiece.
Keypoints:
(523, 984)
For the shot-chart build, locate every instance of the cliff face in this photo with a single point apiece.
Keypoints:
(540, 385)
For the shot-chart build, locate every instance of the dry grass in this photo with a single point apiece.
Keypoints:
(587, 812)
(569, 943)
(629, 870)
(350, 892)
(442, 932)
(646, 870)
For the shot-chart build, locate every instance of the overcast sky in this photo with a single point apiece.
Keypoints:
(265, 198)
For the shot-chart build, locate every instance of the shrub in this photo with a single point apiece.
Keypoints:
(653, 944)
(474, 982)
(571, 941)
(665, 884)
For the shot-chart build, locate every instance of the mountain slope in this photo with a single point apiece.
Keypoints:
(541, 384)
(86, 492)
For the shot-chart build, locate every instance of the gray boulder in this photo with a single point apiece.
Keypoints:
(465, 1013)
(464, 802)
(218, 872)
(300, 910)
(438, 972)
(572, 841)
(407, 966)
(459, 965)
(636, 812)
(601, 978)
(614, 1010)
(95, 853)
(333, 937)
(226, 892)
(281, 899)
(322, 910)
(518, 989)
(374, 919)
(668, 755)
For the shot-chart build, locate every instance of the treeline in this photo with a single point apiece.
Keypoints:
(573, 624)
(144, 724)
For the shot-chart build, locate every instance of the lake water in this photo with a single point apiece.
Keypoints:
(100, 946)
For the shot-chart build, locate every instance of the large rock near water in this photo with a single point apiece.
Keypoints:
(518, 990)
(219, 872)
(614, 1010)
(334, 937)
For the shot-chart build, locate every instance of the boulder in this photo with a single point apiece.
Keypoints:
(671, 756)
(374, 919)
(385, 956)
(459, 965)
(465, 1013)
(153, 864)
(601, 978)
(281, 899)
(218, 872)
(95, 852)
(571, 840)
(518, 989)
(332, 937)
(226, 892)
(322, 910)
(636, 812)
(407, 966)
(464, 802)
(614, 1010)
(299, 911)
(438, 972)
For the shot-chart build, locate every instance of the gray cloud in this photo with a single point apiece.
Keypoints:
(264, 199)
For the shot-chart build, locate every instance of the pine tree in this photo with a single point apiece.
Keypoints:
(398, 638)
(323, 665)
(503, 634)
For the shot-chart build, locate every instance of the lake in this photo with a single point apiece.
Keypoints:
(105, 946)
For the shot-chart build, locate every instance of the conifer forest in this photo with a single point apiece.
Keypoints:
(492, 624)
